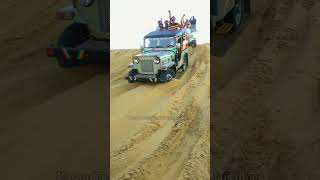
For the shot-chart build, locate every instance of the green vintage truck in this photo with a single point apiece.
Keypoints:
(164, 53)
(86, 39)
(227, 15)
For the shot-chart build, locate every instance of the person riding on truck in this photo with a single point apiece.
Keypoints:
(182, 23)
(187, 27)
(172, 22)
(160, 25)
(193, 22)
(166, 24)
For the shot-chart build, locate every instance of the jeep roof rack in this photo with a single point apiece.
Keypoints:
(164, 33)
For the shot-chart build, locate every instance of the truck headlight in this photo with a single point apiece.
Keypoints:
(156, 61)
(86, 3)
(135, 61)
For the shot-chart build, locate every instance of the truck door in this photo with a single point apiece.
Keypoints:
(180, 41)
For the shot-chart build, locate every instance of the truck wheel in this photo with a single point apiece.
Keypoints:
(72, 36)
(167, 75)
(194, 44)
(65, 63)
(132, 73)
(237, 14)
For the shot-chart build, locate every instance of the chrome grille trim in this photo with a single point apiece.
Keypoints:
(146, 65)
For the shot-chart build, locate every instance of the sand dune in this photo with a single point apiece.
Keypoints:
(265, 103)
(266, 99)
(51, 119)
(157, 130)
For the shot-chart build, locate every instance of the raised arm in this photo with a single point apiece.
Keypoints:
(182, 20)
(169, 16)
(185, 23)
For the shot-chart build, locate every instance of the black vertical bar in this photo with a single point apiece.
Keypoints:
(103, 13)
(213, 12)
(214, 7)
(107, 28)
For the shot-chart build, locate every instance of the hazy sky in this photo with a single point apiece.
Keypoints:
(130, 20)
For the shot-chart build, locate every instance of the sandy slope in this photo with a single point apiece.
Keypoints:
(51, 118)
(266, 100)
(265, 114)
(160, 130)
(58, 135)
(28, 29)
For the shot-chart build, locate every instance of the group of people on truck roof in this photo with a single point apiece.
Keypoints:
(171, 24)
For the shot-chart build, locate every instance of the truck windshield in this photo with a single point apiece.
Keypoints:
(160, 42)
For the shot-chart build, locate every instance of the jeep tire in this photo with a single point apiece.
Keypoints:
(72, 36)
(132, 73)
(167, 75)
(194, 44)
(237, 14)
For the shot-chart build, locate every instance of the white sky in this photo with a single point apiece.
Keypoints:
(130, 20)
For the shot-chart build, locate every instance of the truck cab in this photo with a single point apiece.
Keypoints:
(164, 53)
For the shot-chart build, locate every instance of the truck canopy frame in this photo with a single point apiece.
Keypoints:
(164, 33)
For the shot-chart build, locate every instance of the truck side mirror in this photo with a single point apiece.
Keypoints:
(178, 45)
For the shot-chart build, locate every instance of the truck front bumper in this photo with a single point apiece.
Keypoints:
(87, 52)
(145, 78)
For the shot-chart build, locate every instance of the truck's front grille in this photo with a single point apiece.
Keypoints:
(146, 66)
(103, 13)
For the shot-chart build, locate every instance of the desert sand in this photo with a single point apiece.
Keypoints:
(52, 119)
(266, 94)
(265, 113)
(160, 131)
